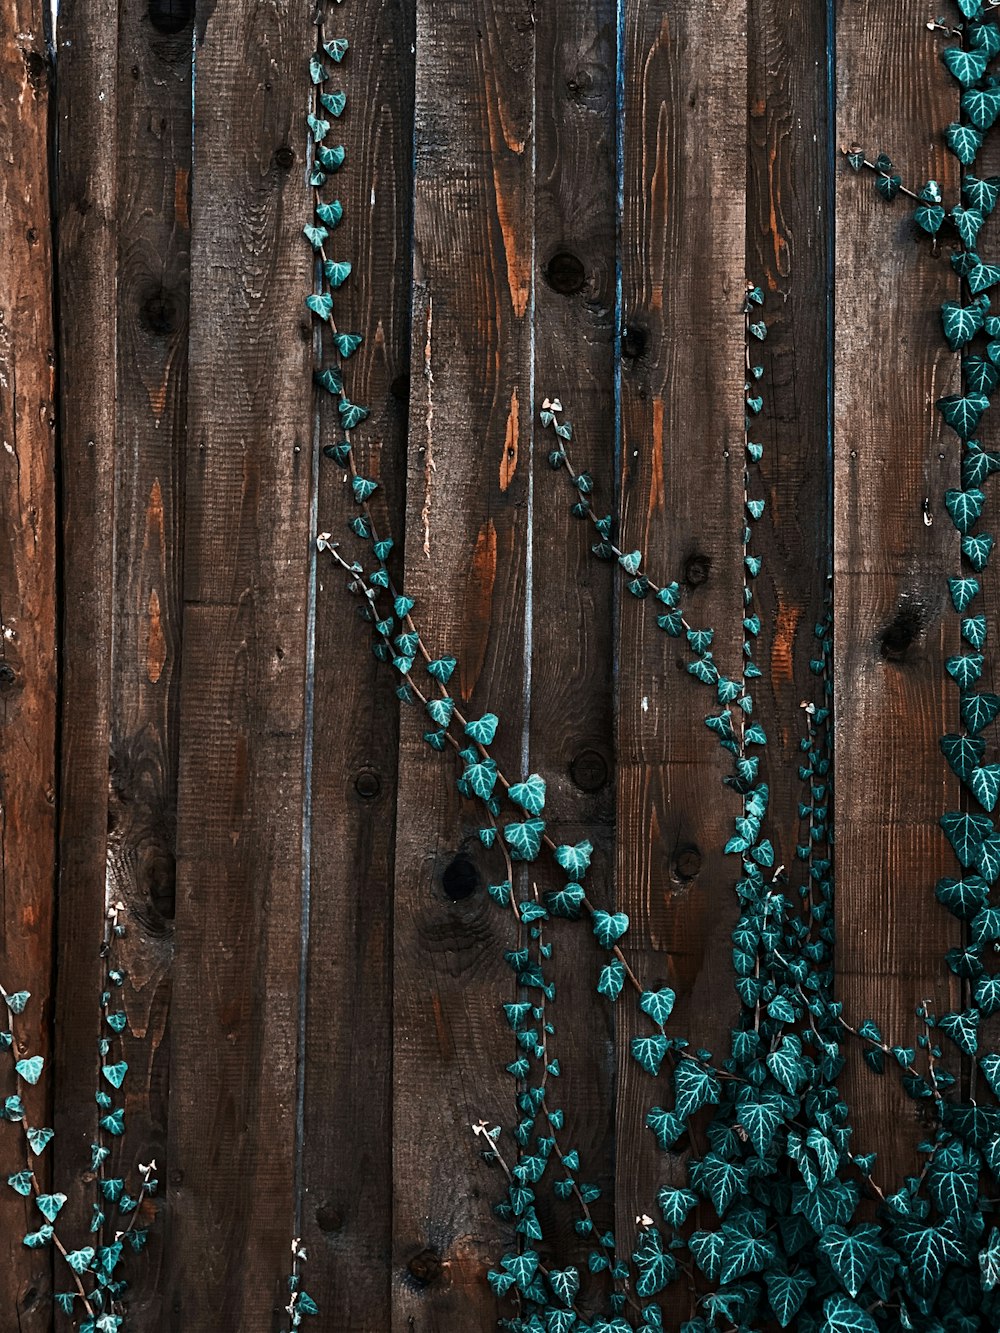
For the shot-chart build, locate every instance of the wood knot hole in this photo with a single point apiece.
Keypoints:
(565, 273)
(460, 879)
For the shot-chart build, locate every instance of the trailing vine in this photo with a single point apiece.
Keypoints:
(782, 1218)
(95, 1286)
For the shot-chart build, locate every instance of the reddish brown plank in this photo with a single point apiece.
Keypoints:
(894, 626)
(347, 1167)
(234, 1022)
(683, 279)
(27, 614)
(466, 545)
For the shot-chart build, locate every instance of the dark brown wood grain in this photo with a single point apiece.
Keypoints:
(234, 1020)
(681, 466)
(27, 616)
(154, 130)
(894, 624)
(347, 1168)
(89, 200)
(466, 551)
(571, 723)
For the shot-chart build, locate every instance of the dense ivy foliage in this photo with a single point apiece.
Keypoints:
(780, 1218)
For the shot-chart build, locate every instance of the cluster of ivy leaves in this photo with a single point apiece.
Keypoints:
(95, 1284)
(780, 1219)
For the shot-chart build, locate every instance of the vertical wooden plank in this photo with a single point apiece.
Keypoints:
(347, 1169)
(27, 608)
(788, 250)
(87, 271)
(154, 129)
(893, 624)
(681, 465)
(466, 543)
(234, 1023)
(571, 737)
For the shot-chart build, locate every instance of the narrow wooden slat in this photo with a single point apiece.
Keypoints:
(466, 543)
(788, 240)
(154, 122)
(571, 739)
(87, 234)
(347, 1170)
(27, 613)
(234, 1022)
(894, 625)
(683, 280)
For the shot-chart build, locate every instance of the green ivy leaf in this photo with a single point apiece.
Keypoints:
(964, 141)
(658, 1004)
(337, 271)
(320, 304)
(787, 1292)
(966, 833)
(80, 1260)
(39, 1139)
(566, 902)
(49, 1205)
(529, 795)
(982, 106)
(334, 103)
(968, 67)
(20, 1182)
(965, 507)
(979, 710)
(846, 1316)
(525, 839)
(30, 1069)
(483, 729)
(611, 980)
(574, 860)
(649, 1052)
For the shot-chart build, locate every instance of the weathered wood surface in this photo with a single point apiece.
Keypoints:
(894, 626)
(233, 766)
(27, 609)
(681, 465)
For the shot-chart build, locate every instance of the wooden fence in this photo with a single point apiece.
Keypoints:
(192, 720)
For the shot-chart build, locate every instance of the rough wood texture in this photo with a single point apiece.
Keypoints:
(88, 259)
(468, 514)
(27, 611)
(681, 465)
(234, 1024)
(347, 1169)
(154, 132)
(571, 731)
(894, 625)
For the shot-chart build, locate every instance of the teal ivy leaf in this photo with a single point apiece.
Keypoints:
(17, 1000)
(364, 488)
(968, 67)
(482, 778)
(977, 551)
(317, 72)
(694, 1086)
(965, 142)
(320, 128)
(963, 753)
(989, 1262)
(351, 414)
(846, 1316)
(888, 185)
(565, 1283)
(36, 1239)
(403, 606)
(981, 277)
(982, 106)
(611, 980)
(500, 893)
(649, 1052)
(978, 463)
(330, 379)
(981, 194)
(524, 839)
(964, 897)
(487, 836)
(483, 729)
(961, 323)
(64, 1300)
(979, 710)
(974, 631)
(985, 785)
(787, 1292)
(347, 343)
(331, 159)
(114, 1123)
(115, 1074)
(321, 305)
(965, 668)
(49, 1205)
(337, 49)
(575, 860)
(852, 1254)
(968, 222)
(986, 996)
(761, 1118)
(80, 1260)
(962, 592)
(39, 1139)
(964, 507)
(706, 1248)
(334, 103)
(337, 271)
(962, 1028)
(609, 927)
(667, 1126)
(676, 1204)
(655, 1272)
(442, 668)
(631, 562)
(529, 795)
(966, 833)
(658, 1004)
(984, 37)
(566, 902)
(745, 1254)
(929, 217)
(440, 710)
(716, 1179)
(315, 235)
(30, 1069)
(330, 213)
(20, 1182)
